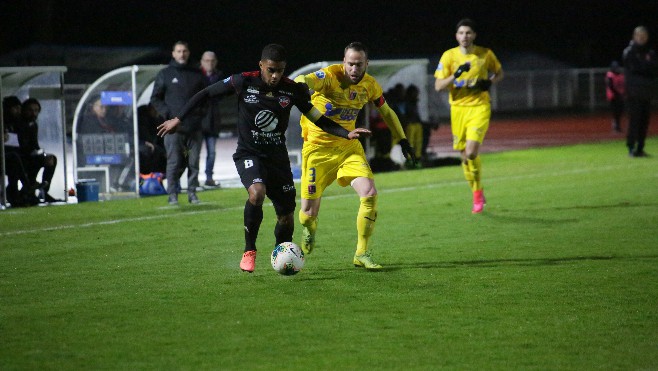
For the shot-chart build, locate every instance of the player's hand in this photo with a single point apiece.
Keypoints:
(168, 127)
(463, 68)
(483, 84)
(408, 150)
(359, 133)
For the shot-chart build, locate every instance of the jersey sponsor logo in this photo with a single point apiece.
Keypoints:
(266, 120)
(320, 74)
(284, 102)
(250, 99)
(346, 114)
(252, 90)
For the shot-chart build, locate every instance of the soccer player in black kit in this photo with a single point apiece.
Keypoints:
(265, 98)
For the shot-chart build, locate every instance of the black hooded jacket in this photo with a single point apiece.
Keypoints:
(173, 87)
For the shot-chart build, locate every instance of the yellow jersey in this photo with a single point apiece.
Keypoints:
(483, 62)
(338, 101)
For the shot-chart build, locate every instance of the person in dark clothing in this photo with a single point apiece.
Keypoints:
(212, 120)
(173, 87)
(34, 157)
(265, 98)
(15, 170)
(641, 70)
(152, 154)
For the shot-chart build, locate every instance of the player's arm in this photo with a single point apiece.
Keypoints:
(444, 83)
(333, 128)
(200, 98)
(393, 123)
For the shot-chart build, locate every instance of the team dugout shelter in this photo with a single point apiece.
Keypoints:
(46, 84)
(105, 150)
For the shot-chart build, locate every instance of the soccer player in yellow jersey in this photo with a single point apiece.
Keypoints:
(468, 72)
(340, 92)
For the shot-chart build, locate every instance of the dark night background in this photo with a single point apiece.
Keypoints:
(578, 33)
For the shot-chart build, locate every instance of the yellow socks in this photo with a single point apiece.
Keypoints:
(472, 172)
(365, 222)
(308, 221)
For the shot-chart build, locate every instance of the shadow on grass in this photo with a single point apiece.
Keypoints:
(492, 263)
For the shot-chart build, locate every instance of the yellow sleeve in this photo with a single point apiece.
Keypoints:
(392, 121)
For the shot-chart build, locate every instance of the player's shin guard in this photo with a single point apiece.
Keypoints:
(468, 174)
(283, 232)
(253, 217)
(365, 223)
(475, 165)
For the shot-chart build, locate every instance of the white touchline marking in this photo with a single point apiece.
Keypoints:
(392, 190)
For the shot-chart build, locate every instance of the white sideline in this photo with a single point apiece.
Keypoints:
(392, 190)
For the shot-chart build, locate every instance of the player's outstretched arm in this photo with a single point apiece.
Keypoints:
(330, 126)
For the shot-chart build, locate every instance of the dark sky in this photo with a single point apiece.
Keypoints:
(580, 33)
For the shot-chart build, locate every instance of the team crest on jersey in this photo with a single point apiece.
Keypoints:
(352, 95)
(320, 74)
(269, 94)
(284, 101)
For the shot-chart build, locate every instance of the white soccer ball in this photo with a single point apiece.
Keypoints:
(287, 258)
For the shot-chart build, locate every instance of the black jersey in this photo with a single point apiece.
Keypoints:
(263, 112)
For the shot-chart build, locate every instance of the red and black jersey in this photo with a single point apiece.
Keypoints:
(263, 111)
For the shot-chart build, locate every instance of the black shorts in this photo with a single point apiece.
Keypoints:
(277, 178)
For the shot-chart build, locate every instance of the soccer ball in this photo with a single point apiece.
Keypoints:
(287, 258)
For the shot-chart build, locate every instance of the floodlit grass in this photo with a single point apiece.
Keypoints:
(560, 272)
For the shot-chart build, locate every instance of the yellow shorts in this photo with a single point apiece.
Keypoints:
(322, 165)
(469, 123)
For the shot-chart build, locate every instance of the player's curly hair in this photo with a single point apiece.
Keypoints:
(273, 52)
(358, 46)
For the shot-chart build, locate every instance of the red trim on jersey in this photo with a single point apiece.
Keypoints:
(252, 73)
(379, 101)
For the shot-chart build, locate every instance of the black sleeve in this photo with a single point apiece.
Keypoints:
(331, 127)
(157, 97)
(219, 88)
(302, 99)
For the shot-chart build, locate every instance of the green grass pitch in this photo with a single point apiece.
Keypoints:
(560, 272)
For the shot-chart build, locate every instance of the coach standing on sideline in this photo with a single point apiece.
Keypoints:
(174, 86)
(641, 70)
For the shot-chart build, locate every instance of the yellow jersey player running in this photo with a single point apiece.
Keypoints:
(340, 92)
(468, 71)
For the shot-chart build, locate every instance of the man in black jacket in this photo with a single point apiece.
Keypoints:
(173, 87)
(641, 70)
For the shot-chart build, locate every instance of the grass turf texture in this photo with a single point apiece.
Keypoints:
(560, 272)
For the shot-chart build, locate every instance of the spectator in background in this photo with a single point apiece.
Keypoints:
(614, 93)
(97, 119)
(641, 70)
(15, 170)
(414, 127)
(212, 120)
(173, 87)
(152, 154)
(34, 157)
